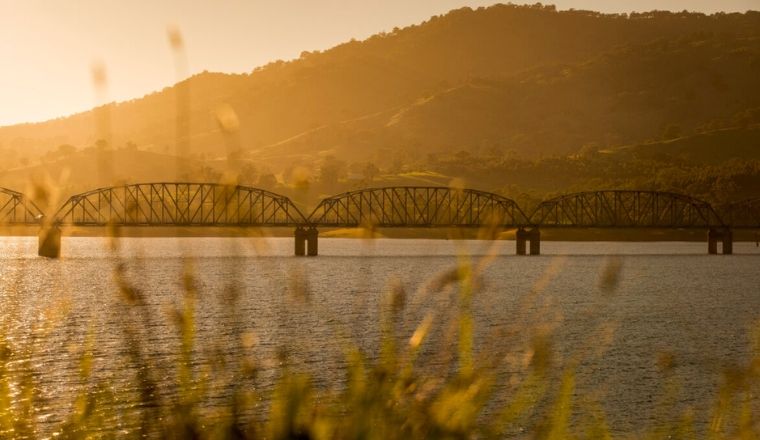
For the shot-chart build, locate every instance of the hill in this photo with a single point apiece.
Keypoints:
(525, 82)
(709, 148)
(666, 88)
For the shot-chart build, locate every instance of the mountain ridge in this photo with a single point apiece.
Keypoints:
(499, 82)
(403, 66)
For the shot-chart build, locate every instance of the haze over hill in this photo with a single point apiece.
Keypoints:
(497, 84)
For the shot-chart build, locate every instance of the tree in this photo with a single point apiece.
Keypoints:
(589, 150)
(463, 156)
(332, 170)
(66, 150)
(247, 173)
(370, 171)
(672, 131)
(267, 181)
(209, 174)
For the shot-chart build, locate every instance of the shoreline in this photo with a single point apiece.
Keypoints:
(547, 233)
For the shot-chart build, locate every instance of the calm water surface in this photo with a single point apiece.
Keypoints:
(614, 310)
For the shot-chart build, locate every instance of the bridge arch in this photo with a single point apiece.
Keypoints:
(626, 209)
(17, 209)
(742, 214)
(180, 204)
(417, 206)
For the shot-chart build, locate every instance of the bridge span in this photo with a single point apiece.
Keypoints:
(634, 209)
(173, 204)
(208, 204)
(744, 214)
(418, 207)
(17, 209)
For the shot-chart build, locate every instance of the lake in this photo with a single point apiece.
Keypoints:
(649, 327)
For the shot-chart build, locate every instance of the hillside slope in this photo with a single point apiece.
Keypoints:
(396, 70)
(647, 92)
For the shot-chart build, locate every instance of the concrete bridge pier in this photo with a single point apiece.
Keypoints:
(521, 237)
(728, 242)
(726, 236)
(530, 239)
(300, 236)
(49, 242)
(534, 236)
(312, 242)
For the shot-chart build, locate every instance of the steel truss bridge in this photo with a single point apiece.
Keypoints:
(16, 209)
(744, 214)
(424, 206)
(179, 204)
(626, 209)
(208, 204)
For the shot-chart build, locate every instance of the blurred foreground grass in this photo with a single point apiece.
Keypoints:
(384, 394)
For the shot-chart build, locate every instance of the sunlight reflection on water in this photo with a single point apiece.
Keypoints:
(669, 298)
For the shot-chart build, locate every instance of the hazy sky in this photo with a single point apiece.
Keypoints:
(48, 47)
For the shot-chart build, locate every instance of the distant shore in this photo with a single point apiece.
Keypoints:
(547, 234)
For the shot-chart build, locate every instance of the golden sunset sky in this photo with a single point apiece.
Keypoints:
(48, 48)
